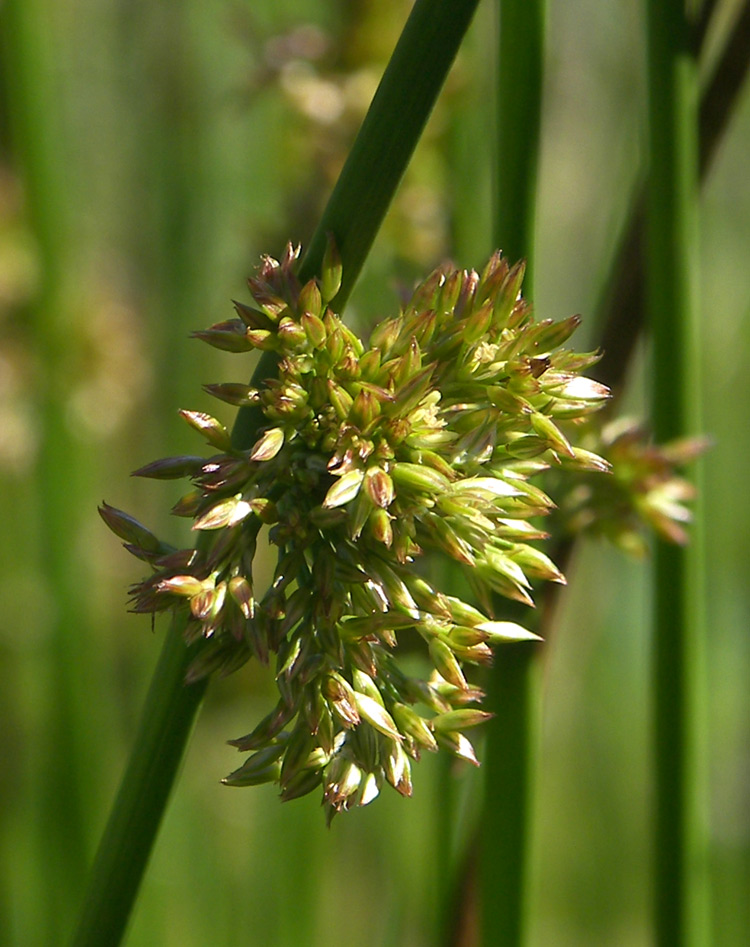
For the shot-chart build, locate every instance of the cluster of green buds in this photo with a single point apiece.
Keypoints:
(645, 493)
(425, 439)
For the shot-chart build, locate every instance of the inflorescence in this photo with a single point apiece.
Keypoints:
(425, 439)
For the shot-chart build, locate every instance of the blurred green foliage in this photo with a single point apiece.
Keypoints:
(148, 154)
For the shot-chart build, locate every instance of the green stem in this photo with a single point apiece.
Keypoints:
(680, 916)
(167, 720)
(354, 212)
(510, 747)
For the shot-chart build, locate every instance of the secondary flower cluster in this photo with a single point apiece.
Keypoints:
(426, 438)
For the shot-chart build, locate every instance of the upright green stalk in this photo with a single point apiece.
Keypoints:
(672, 303)
(509, 752)
(368, 182)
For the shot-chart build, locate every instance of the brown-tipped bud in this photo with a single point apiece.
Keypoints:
(268, 445)
(234, 393)
(242, 592)
(379, 523)
(301, 784)
(397, 769)
(341, 699)
(369, 364)
(269, 727)
(171, 468)
(253, 318)
(213, 431)
(341, 400)
(379, 487)
(446, 664)
(129, 529)
(331, 271)
(364, 410)
(189, 504)
(385, 335)
(335, 340)
(508, 297)
(229, 336)
(415, 726)
(548, 335)
(477, 324)
(262, 767)
(263, 339)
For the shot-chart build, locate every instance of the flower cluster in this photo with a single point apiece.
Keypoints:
(426, 438)
(644, 492)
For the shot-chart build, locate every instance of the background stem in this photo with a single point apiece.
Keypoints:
(509, 752)
(679, 902)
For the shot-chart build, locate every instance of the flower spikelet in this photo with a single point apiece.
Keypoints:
(424, 438)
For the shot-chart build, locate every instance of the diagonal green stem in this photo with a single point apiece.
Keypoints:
(355, 210)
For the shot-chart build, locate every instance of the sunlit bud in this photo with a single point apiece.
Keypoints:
(376, 715)
(225, 513)
(186, 585)
(269, 445)
(457, 744)
(499, 632)
(385, 335)
(536, 564)
(314, 328)
(445, 662)
(416, 477)
(341, 400)
(213, 431)
(414, 725)
(459, 719)
(368, 790)
(342, 777)
(344, 489)
(548, 431)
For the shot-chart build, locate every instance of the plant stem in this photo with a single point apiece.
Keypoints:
(168, 715)
(510, 747)
(672, 306)
(621, 308)
(354, 212)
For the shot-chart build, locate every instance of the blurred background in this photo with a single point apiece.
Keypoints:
(149, 153)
